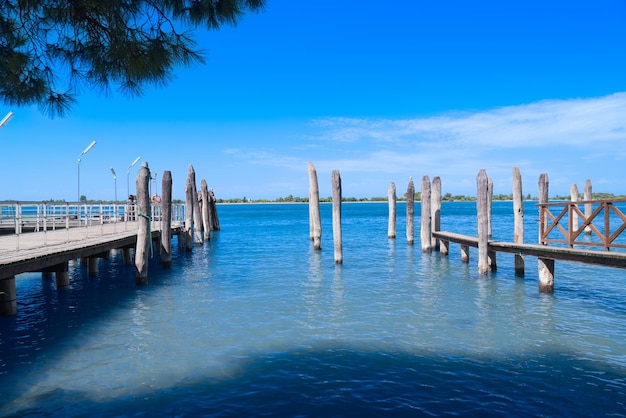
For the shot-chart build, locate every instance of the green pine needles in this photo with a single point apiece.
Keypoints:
(50, 48)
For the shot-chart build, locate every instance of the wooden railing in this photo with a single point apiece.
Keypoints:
(600, 226)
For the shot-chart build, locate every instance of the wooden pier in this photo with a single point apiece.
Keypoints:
(561, 224)
(49, 251)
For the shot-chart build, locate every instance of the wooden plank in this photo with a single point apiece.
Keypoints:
(601, 258)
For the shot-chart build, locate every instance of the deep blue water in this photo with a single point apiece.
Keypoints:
(257, 323)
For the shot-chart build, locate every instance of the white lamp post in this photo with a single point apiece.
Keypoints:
(6, 119)
(128, 175)
(114, 178)
(80, 155)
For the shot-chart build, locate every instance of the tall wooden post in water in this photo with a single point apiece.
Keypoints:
(573, 191)
(188, 234)
(435, 211)
(391, 199)
(588, 195)
(166, 219)
(197, 214)
(410, 212)
(315, 220)
(483, 221)
(144, 236)
(206, 210)
(425, 223)
(336, 186)
(545, 265)
(518, 216)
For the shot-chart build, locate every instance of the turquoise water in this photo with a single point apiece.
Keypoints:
(257, 323)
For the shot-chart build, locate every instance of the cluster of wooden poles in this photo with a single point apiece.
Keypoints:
(200, 218)
(431, 219)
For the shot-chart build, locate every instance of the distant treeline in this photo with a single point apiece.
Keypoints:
(448, 197)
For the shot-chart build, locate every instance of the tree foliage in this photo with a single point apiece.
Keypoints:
(50, 48)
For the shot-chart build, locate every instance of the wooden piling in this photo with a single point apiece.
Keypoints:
(206, 205)
(92, 262)
(464, 253)
(518, 215)
(188, 234)
(425, 220)
(142, 251)
(573, 191)
(214, 219)
(197, 214)
(410, 212)
(435, 211)
(483, 221)
(336, 189)
(545, 265)
(8, 296)
(166, 219)
(489, 205)
(62, 276)
(315, 221)
(391, 199)
(588, 195)
(126, 256)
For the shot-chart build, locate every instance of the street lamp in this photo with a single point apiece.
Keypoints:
(114, 178)
(6, 119)
(80, 155)
(128, 175)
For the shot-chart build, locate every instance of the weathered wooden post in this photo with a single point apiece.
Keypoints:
(410, 212)
(315, 221)
(215, 220)
(518, 215)
(188, 215)
(588, 196)
(425, 222)
(8, 296)
(435, 211)
(206, 205)
(573, 218)
(491, 255)
(197, 214)
(166, 219)
(391, 199)
(483, 222)
(336, 185)
(545, 265)
(143, 225)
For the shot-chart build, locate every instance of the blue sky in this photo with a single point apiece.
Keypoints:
(379, 91)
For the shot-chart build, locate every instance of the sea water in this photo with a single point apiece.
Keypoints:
(256, 322)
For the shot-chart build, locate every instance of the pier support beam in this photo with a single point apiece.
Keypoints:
(443, 247)
(126, 257)
(93, 266)
(464, 253)
(62, 276)
(518, 219)
(545, 266)
(435, 211)
(8, 296)
(483, 222)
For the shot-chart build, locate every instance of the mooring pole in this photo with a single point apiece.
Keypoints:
(336, 185)
(545, 265)
(391, 199)
(518, 216)
(142, 251)
(483, 221)
(410, 212)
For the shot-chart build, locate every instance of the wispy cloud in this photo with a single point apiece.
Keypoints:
(570, 139)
